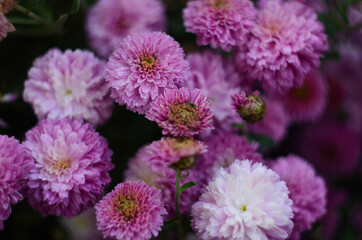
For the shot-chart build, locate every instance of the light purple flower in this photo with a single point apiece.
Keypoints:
(72, 162)
(244, 201)
(181, 112)
(285, 44)
(110, 21)
(152, 164)
(15, 164)
(132, 211)
(143, 66)
(307, 191)
(69, 85)
(275, 122)
(5, 27)
(223, 23)
(223, 149)
(331, 147)
(307, 102)
(218, 79)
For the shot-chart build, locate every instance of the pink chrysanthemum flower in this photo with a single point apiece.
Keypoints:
(218, 79)
(69, 85)
(132, 211)
(15, 164)
(275, 122)
(331, 147)
(5, 26)
(285, 44)
(307, 191)
(152, 164)
(143, 66)
(71, 167)
(181, 112)
(223, 23)
(244, 201)
(307, 102)
(110, 21)
(223, 149)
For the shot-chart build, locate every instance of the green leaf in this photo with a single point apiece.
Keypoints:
(187, 186)
(75, 6)
(61, 20)
(169, 224)
(22, 21)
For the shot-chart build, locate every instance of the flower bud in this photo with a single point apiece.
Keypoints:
(251, 107)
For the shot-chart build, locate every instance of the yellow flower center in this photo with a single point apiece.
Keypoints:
(60, 166)
(147, 62)
(184, 114)
(219, 4)
(127, 205)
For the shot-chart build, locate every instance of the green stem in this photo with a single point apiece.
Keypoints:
(177, 200)
(341, 14)
(31, 15)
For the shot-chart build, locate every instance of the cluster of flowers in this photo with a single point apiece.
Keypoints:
(63, 165)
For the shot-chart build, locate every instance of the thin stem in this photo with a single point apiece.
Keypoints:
(31, 14)
(177, 199)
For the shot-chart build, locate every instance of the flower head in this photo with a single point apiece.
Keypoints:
(251, 107)
(223, 149)
(181, 112)
(307, 191)
(285, 44)
(331, 147)
(15, 164)
(133, 210)
(71, 167)
(5, 26)
(223, 23)
(110, 21)
(69, 85)
(244, 201)
(308, 101)
(142, 67)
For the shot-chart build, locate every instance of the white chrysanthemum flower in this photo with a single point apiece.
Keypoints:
(244, 201)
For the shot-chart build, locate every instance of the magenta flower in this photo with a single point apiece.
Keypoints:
(152, 164)
(110, 21)
(71, 167)
(331, 147)
(223, 149)
(285, 44)
(218, 79)
(15, 164)
(69, 85)
(223, 23)
(5, 27)
(275, 122)
(181, 112)
(142, 67)
(244, 201)
(307, 102)
(307, 191)
(132, 211)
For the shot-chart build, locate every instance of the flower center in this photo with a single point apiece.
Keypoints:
(219, 4)
(126, 205)
(184, 114)
(147, 62)
(301, 93)
(68, 92)
(273, 28)
(60, 166)
(243, 208)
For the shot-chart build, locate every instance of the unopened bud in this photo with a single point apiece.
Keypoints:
(251, 107)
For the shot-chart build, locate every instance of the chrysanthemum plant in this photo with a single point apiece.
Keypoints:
(220, 112)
